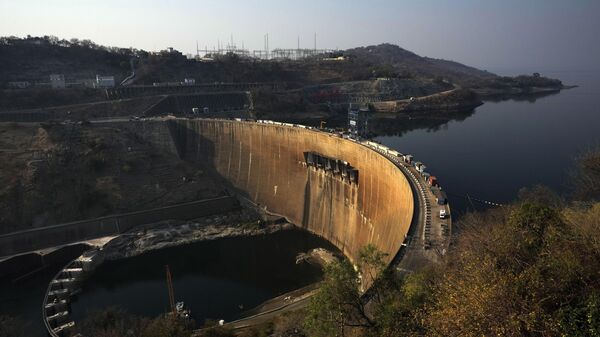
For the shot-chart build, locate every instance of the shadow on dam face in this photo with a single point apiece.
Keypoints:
(265, 163)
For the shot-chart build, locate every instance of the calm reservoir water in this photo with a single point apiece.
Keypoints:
(504, 146)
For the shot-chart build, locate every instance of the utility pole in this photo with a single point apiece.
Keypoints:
(265, 45)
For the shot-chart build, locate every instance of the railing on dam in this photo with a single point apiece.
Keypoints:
(50, 236)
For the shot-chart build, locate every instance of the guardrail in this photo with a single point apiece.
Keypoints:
(423, 201)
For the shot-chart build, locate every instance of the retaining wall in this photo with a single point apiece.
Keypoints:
(23, 264)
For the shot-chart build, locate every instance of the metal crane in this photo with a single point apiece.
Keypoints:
(170, 287)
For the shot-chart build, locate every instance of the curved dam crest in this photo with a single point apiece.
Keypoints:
(266, 163)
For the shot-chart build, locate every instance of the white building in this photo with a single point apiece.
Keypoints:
(189, 81)
(104, 81)
(57, 81)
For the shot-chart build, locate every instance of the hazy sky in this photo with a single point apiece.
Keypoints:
(528, 34)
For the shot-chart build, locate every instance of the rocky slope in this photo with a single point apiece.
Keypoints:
(58, 173)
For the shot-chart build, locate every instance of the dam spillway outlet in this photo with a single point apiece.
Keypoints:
(339, 168)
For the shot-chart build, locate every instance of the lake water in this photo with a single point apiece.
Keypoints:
(504, 146)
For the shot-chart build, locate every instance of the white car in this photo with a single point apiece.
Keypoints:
(442, 214)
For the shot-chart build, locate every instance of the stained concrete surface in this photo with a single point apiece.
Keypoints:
(266, 163)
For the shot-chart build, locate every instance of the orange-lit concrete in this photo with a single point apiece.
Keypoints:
(265, 162)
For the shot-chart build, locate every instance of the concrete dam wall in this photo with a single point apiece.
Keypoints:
(268, 164)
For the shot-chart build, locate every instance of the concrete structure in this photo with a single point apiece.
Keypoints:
(21, 266)
(104, 81)
(65, 284)
(57, 81)
(266, 163)
(358, 120)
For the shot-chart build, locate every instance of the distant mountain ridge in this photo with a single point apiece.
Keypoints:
(403, 59)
